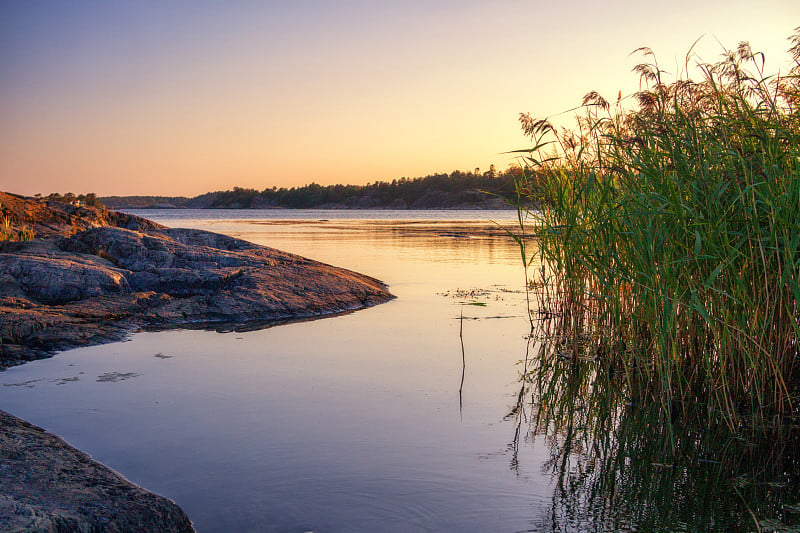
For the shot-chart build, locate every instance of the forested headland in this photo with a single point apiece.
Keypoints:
(465, 190)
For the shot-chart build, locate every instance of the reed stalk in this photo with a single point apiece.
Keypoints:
(669, 237)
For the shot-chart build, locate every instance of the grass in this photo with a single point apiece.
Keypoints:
(669, 237)
(8, 231)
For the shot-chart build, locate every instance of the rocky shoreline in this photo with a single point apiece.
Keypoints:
(98, 285)
(47, 485)
(93, 276)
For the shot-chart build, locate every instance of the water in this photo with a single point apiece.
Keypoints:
(361, 422)
(350, 423)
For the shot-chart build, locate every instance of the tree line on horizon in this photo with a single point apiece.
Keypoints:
(456, 189)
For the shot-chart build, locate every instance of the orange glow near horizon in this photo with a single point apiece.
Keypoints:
(162, 99)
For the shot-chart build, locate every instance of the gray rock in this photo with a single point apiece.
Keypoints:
(100, 284)
(47, 485)
(58, 278)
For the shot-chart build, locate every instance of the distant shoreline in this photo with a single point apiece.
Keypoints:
(457, 190)
(468, 207)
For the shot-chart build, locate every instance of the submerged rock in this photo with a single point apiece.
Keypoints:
(47, 485)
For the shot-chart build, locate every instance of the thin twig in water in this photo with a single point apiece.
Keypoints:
(463, 363)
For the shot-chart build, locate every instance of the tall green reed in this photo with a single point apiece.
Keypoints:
(669, 236)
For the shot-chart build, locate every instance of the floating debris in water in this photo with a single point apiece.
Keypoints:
(28, 384)
(113, 377)
(64, 381)
(463, 294)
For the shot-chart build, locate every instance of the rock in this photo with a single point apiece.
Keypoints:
(47, 485)
(58, 278)
(100, 284)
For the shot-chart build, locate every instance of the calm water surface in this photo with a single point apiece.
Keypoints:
(348, 423)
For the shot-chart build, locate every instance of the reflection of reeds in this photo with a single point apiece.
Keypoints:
(622, 464)
(669, 239)
(463, 362)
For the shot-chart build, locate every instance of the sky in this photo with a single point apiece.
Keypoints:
(183, 97)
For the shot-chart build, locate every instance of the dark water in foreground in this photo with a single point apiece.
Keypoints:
(357, 422)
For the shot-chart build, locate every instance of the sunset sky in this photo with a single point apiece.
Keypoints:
(183, 97)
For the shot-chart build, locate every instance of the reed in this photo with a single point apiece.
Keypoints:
(669, 236)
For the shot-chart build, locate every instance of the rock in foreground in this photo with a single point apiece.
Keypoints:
(98, 285)
(47, 485)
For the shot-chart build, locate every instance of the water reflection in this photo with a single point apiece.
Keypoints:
(450, 240)
(463, 365)
(351, 423)
(623, 465)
